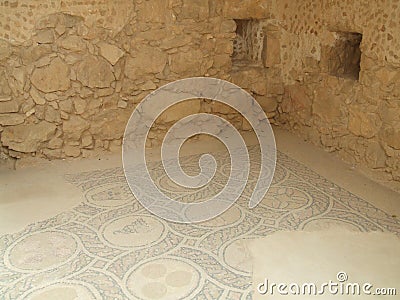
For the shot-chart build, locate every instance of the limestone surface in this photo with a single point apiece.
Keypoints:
(327, 70)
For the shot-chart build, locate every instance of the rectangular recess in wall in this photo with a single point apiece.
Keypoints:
(249, 42)
(345, 56)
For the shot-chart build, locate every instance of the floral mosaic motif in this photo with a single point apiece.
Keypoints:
(110, 247)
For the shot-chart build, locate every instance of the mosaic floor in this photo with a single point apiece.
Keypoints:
(110, 247)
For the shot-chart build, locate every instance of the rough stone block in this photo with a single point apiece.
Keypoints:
(79, 105)
(74, 127)
(175, 41)
(51, 78)
(8, 107)
(55, 143)
(52, 153)
(268, 104)
(11, 119)
(375, 156)
(32, 54)
(220, 62)
(391, 136)
(19, 74)
(327, 106)
(110, 52)
(179, 111)
(5, 98)
(72, 43)
(27, 138)
(95, 72)
(152, 11)
(195, 9)
(37, 98)
(251, 79)
(87, 141)
(147, 60)
(72, 151)
(365, 124)
(52, 115)
(45, 36)
(271, 55)
(109, 124)
(246, 9)
(221, 108)
(185, 63)
(66, 105)
(228, 26)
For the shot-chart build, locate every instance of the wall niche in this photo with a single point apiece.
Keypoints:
(249, 42)
(345, 56)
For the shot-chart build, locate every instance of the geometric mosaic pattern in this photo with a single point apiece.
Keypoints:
(110, 247)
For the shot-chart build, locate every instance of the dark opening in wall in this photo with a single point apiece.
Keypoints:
(249, 42)
(345, 56)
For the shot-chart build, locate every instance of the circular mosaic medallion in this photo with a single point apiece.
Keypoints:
(166, 279)
(327, 224)
(133, 231)
(62, 291)
(42, 251)
(286, 198)
(238, 256)
(109, 195)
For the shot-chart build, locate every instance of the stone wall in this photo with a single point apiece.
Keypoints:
(71, 72)
(338, 64)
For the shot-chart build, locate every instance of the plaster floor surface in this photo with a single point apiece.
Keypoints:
(73, 229)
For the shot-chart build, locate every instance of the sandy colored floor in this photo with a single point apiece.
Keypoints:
(74, 229)
(37, 189)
